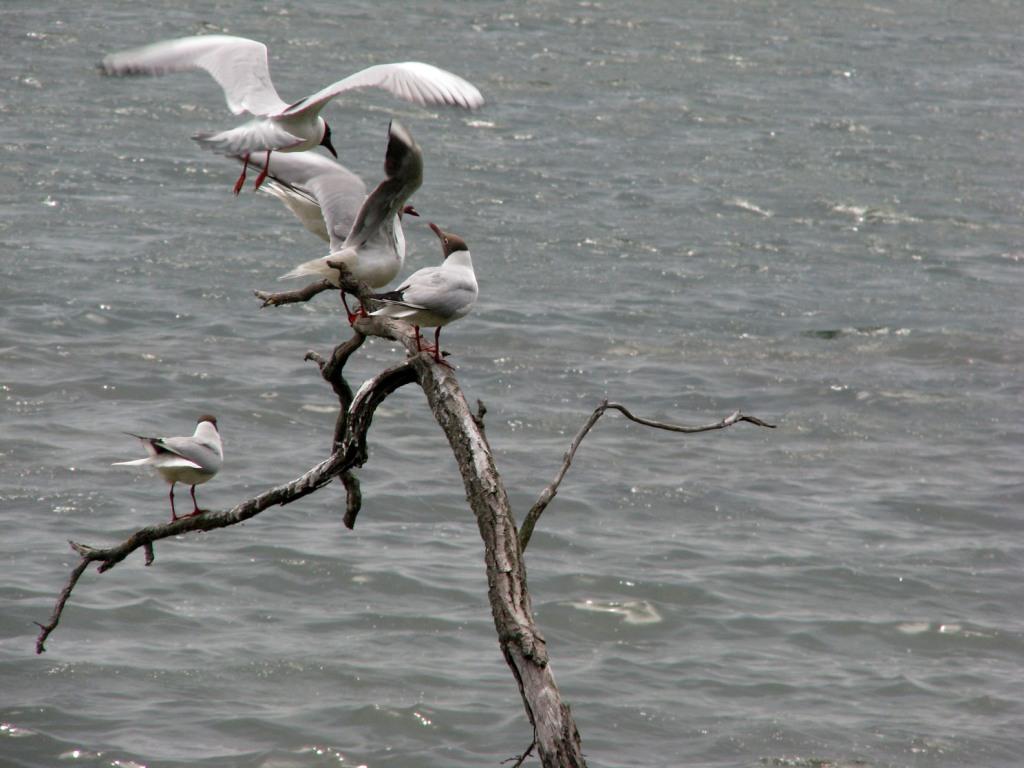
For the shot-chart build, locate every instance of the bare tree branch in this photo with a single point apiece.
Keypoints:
(333, 372)
(62, 599)
(351, 453)
(555, 736)
(524, 648)
(271, 299)
(526, 531)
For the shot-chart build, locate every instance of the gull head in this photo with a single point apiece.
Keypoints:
(449, 243)
(326, 140)
(209, 418)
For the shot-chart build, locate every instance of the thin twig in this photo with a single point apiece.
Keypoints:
(526, 530)
(46, 629)
(520, 759)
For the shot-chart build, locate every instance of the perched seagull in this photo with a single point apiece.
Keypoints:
(435, 296)
(192, 460)
(240, 67)
(373, 249)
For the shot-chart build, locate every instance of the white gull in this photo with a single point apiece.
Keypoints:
(373, 249)
(435, 296)
(240, 67)
(192, 460)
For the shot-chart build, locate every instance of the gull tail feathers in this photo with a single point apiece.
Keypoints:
(314, 268)
(301, 204)
(254, 136)
(164, 461)
(322, 267)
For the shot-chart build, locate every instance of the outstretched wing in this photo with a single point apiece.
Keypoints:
(410, 80)
(238, 64)
(403, 169)
(308, 182)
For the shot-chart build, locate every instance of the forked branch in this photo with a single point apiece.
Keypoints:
(526, 530)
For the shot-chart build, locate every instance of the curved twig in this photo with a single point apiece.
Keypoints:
(549, 493)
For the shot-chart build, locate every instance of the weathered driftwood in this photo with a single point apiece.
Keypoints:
(555, 736)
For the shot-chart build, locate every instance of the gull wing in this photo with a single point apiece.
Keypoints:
(306, 180)
(439, 291)
(413, 81)
(196, 452)
(239, 66)
(403, 169)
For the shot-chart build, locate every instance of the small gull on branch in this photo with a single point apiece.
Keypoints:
(435, 296)
(192, 460)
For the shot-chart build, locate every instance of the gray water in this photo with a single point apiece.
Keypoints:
(808, 211)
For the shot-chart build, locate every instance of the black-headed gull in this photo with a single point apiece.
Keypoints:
(373, 249)
(192, 460)
(435, 296)
(240, 67)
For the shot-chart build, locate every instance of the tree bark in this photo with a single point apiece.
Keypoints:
(555, 734)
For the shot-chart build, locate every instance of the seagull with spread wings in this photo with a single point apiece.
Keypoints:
(240, 67)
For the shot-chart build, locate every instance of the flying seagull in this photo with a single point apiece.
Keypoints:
(435, 296)
(240, 67)
(373, 249)
(192, 460)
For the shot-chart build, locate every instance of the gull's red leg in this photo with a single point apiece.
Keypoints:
(241, 177)
(263, 174)
(195, 505)
(351, 315)
(437, 344)
(174, 516)
(427, 347)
